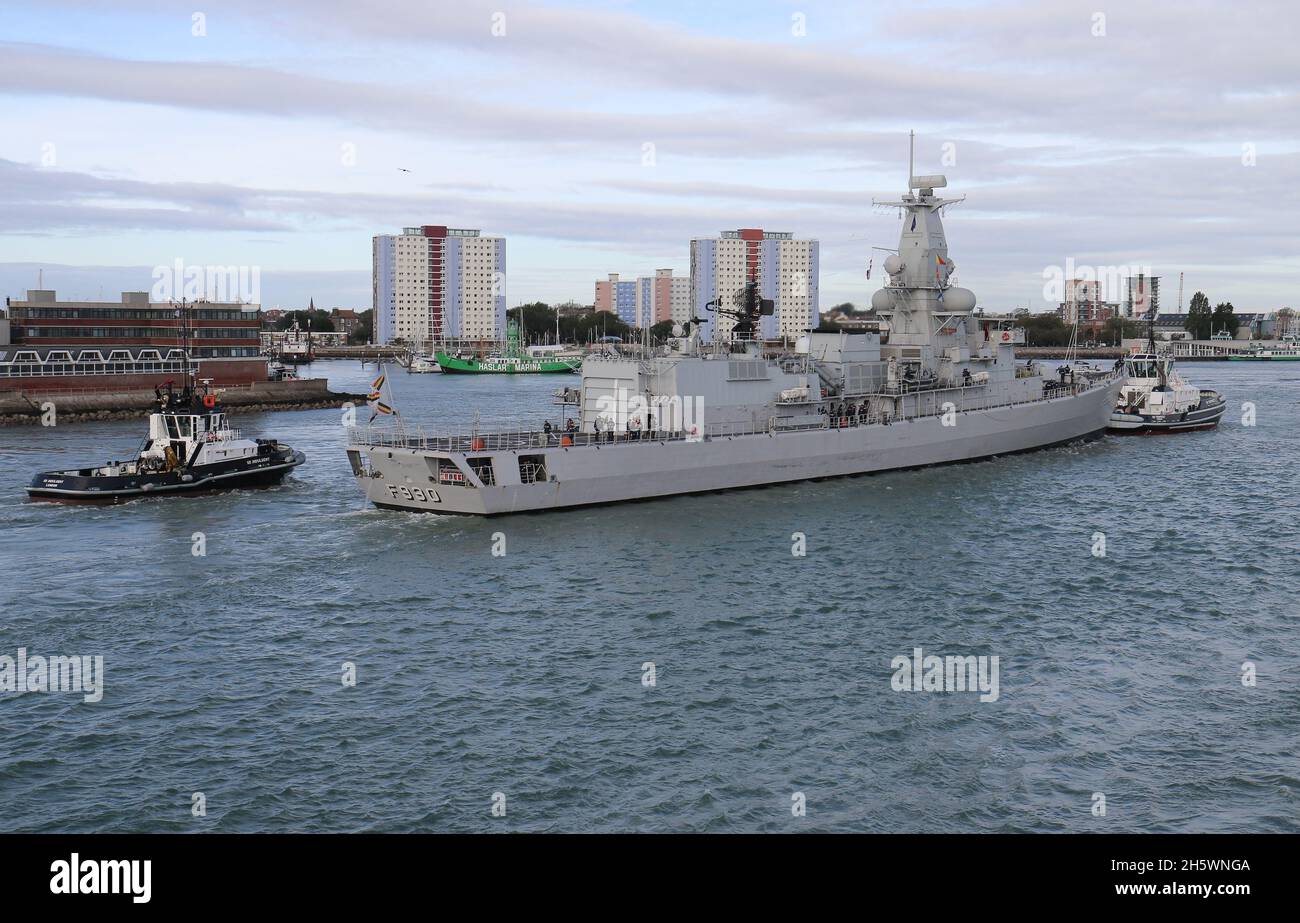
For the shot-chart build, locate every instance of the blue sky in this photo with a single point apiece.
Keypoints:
(1167, 141)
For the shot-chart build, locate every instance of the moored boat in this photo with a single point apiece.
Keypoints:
(296, 346)
(423, 364)
(511, 361)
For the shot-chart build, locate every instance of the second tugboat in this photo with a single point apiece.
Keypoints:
(1156, 399)
(190, 449)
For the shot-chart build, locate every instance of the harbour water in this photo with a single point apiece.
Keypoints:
(525, 674)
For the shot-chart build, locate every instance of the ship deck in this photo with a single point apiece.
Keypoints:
(417, 438)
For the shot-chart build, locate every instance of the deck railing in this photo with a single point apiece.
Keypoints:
(28, 369)
(415, 437)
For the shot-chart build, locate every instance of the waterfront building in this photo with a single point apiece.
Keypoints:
(433, 283)
(784, 268)
(1143, 296)
(618, 296)
(646, 301)
(849, 319)
(127, 343)
(1085, 306)
(345, 321)
(662, 297)
(1251, 325)
(273, 341)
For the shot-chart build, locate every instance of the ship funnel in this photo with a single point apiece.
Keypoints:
(934, 181)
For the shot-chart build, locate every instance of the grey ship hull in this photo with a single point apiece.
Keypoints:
(400, 477)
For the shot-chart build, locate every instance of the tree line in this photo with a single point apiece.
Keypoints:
(1202, 323)
(537, 322)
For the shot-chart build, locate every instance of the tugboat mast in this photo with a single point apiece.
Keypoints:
(183, 337)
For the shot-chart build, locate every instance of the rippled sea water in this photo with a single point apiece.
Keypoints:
(522, 674)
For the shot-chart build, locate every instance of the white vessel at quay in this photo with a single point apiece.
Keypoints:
(937, 385)
(423, 364)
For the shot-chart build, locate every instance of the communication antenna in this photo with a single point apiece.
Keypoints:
(911, 158)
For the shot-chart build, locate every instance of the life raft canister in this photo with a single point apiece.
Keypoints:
(209, 401)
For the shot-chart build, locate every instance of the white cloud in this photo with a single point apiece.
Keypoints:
(1121, 148)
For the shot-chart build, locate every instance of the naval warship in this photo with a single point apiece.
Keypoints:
(937, 384)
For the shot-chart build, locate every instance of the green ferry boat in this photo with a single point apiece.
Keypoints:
(514, 361)
(1285, 352)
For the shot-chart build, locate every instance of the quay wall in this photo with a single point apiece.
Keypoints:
(357, 352)
(25, 407)
(1059, 352)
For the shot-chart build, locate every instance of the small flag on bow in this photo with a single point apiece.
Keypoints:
(376, 398)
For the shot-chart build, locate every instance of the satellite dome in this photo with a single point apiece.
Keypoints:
(893, 264)
(958, 299)
(880, 300)
(678, 330)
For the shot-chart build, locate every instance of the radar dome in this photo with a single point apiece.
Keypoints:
(958, 299)
(880, 300)
(893, 264)
(678, 330)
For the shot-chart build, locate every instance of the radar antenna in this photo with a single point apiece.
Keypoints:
(749, 306)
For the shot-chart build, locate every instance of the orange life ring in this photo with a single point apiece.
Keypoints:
(209, 401)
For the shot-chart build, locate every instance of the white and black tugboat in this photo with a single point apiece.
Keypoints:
(1156, 399)
(190, 449)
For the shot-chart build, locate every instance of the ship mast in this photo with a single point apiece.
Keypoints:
(919, 289)
(911, 157)
(183, 336)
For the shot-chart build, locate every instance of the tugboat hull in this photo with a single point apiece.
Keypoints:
(1205, 416)
(84, 487)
